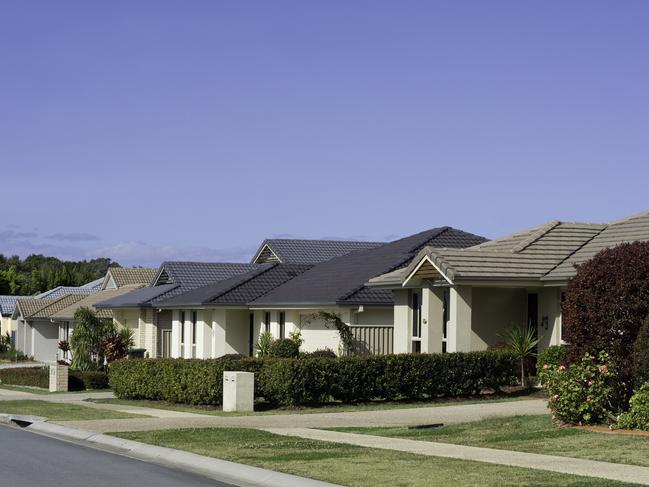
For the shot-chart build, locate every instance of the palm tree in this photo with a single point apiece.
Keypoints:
(522, 343)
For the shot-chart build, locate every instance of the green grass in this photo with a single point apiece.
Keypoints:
(327, 408)
(60, 411)
(533, 434)
(32, 390)
(351, 465)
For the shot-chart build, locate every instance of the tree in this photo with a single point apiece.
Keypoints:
(605, 305)
(88, 338)
(641, 354)
(522, 343)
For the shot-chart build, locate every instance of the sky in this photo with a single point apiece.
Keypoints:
(146, 131)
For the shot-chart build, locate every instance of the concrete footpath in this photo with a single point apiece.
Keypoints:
(552, 463)
(456, 413)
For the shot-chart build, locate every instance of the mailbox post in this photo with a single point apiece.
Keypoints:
(238, 391)
(58, 378)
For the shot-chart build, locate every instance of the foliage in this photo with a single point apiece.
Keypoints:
(38, 273)
(637, 417)
(296, 336)
(522, 343)
(40, 377)
(321, 353)
(64, 346)
(263, 343)
(115, 346)
(317, 380)
(333, 320)
(5, 343)
(553, 355)
(641, 354)
(88, 339)
(581, 393)
(605, 305)
(284, 348)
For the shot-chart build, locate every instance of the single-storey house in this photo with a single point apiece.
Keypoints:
(464, 299)
(7, 305)
(281, 290)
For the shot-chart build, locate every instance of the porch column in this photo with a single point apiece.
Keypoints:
(203, 334)
(292, 321)
(459, 325)
(176, 330)
(432, 313)
(402, 332)
(274, 323)
(219, 327)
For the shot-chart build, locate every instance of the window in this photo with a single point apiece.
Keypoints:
(182, 327)
(416, 315)
(446, 317)
(267, 321)
(193, 327)
(282, 324)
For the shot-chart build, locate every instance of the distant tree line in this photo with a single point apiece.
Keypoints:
(38, 273)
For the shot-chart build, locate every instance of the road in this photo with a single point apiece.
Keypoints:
(34, 460)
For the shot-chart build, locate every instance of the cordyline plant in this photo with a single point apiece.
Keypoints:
(522, 343)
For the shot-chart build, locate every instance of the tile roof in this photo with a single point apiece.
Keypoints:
(525, 256)
(124, 276)
(59, 291)
(296, 251)
(241, 289)
(8, 303)
(46, 307)
(342, 280)
(96, 284)
(175, 278)
(67, 313)
(633, 228)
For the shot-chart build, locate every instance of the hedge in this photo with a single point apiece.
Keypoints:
(317, 380)
(40, 377)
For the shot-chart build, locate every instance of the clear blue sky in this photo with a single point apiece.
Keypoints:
(146, 131)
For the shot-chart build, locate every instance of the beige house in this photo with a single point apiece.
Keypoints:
(463, 299)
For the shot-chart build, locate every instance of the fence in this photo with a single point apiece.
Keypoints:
(372, 340)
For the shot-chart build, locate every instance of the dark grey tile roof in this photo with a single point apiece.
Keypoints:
(295, 251)
(241, 289)
(8, 303)
(342, 280)
(176, 278)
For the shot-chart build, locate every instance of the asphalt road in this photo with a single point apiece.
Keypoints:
(32, 460)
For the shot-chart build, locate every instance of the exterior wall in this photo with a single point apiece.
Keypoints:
(237, 331)
(23, 337)
(130, 318)
(45, 336)
(372, 317)
(317, 336)
(550, 316)
(402, 319)
(493, 311)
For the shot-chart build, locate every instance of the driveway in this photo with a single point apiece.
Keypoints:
(38, 461)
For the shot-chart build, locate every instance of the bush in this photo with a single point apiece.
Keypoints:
(637, 417)
(641, 355)
(40, 377)
(322, 353)
(582, 393)
(284, 348)
(264, 342)
(554, 355)
(605, 305)
(286, 381)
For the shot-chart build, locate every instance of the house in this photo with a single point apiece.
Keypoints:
(7, 305)
(36, 335)
(463, 299)
(279, 291)
(43, 320)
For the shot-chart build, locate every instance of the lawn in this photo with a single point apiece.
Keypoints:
(30, 389)
(262, 408)
(350, 465)
(60, 411)
(533, 434)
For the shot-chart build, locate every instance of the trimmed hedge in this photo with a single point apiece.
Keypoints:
(317, 380)
(40, 377)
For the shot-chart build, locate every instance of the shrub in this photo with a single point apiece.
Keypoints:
(641, 354)
(40, 377)
(287, 381)
(637, 417)
(322, 353)
(605, 305)
(554, 355)
(582, 393)
(522, 343)
(284, 348)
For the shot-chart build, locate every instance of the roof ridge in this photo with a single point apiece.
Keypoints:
(306, 266)
(628, 218)
(329, 240)
(541, 231)
(238, 285)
